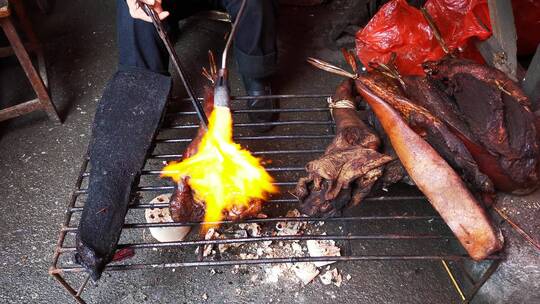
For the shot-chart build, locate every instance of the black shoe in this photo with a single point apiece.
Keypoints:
(261, 87)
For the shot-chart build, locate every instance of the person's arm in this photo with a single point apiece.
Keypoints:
(137, 12)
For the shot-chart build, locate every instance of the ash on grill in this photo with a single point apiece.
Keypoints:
(303, 272)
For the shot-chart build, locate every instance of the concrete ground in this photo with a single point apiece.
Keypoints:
(39, 163)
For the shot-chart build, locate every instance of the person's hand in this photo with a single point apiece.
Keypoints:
(137, 12)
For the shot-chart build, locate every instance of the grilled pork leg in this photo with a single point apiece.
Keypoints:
(349, 167)
(434, 177)
(183, 205)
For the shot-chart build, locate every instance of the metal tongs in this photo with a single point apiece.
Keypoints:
(221, 91)
(158, 24)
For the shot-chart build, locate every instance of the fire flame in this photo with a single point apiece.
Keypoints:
(221, 173)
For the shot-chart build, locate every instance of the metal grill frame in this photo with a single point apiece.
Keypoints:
(452, 263)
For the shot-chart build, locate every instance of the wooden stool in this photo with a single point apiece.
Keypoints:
(37, 78)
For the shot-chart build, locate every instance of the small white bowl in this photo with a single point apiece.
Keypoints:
(163, 215)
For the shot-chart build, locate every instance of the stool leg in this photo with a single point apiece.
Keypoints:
(29, 69)
(35, 46)
(24, 22)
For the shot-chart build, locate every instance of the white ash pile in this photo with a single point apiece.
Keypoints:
(301, 272)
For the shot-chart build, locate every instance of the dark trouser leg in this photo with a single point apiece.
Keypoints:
(255, 45)
(256, 54)
(255, 42)
(139, 45)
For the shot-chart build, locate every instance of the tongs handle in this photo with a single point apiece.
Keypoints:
(158, 24)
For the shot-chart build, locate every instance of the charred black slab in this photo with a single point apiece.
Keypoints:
(125, 123)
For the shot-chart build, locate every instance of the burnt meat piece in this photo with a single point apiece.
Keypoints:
(183, 206)
(394, 171)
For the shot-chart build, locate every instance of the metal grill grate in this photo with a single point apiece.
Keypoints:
(394, 225)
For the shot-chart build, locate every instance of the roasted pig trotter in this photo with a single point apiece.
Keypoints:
(126, 119)
(347, 170)
(445, 190)
(183, 206)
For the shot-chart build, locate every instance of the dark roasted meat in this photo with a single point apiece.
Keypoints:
(496, 111)
(126, 120)
(445, 138)
(184, 207)
(437, 133)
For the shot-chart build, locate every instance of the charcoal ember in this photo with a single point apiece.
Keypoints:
(498, 114)
(349, 168)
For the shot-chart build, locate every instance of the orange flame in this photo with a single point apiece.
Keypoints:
(221, 173)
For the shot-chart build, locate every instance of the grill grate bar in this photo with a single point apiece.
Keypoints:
(285, 97)
(170, 188)
(258, 124)
(274, 220)
(261, 137)
(278, 261)
(273, 238)
(276, 169)
(256, 153)
(246, 111)
(283, 136)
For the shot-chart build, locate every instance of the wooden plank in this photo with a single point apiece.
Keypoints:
(504, 31)
(531, 83)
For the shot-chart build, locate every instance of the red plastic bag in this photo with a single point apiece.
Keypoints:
(459, 20)
(402, 29)
(397, 28)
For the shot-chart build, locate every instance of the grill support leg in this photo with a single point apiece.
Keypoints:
(76, 295)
